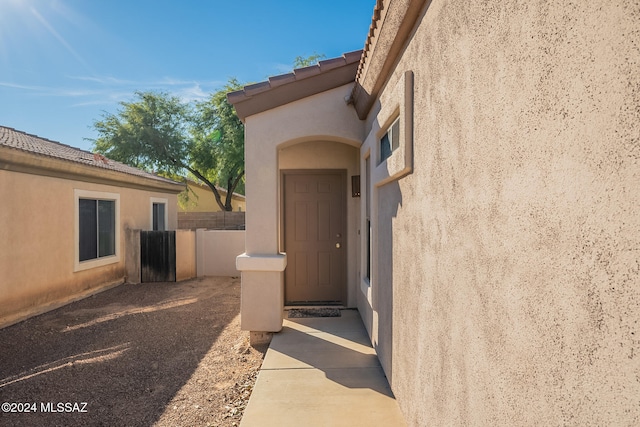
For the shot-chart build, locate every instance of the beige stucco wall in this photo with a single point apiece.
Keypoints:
(204, 201)
(217, 251)
(508, 261)
(37, 232)
(324, 117)
(185, 254)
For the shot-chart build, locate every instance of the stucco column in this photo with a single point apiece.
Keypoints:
(261, 165)
(261, 266)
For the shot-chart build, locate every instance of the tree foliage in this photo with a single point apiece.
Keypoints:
(158, 132)
(150, 134)
(302, 61)
(218, 140)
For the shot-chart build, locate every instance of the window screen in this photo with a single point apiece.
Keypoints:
(106, 228)
(88, 226)
(158, 216)
(390, 140)
(97, 228)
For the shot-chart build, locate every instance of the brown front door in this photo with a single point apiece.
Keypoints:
(314, 236)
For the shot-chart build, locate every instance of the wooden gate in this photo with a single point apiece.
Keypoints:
(158, 256)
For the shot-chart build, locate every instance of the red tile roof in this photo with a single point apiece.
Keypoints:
(375, 19)
(302, 82)
(38, 146)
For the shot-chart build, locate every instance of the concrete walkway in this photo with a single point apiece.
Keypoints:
(322, 372)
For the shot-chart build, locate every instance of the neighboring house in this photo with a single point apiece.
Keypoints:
(201, 199)
(493, 245)
(200, 209)
(64, 220)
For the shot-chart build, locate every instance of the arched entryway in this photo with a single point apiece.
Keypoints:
(319, 221)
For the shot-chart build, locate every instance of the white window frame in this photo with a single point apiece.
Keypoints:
(397, 105)
(159, 200)
(98, 262)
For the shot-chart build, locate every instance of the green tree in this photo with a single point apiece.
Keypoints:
(218, 141)
(150, 133)
(158, 132)
(301, 61)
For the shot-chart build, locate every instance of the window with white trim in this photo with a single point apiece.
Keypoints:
(97, 228)
(391, 135)
(158, 214)
(390, 141)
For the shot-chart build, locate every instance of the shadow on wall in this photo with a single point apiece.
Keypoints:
(384, 198)
(389, 200)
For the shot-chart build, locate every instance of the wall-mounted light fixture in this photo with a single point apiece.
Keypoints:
(355, 186)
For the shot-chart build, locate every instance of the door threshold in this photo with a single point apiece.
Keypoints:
(299, 307)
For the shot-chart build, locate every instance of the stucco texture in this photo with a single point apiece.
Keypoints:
(310, 133)
(38, 241)
(516, 239)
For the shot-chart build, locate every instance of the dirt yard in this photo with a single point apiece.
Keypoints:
(164, 354)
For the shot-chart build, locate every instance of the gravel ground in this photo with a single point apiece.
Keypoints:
(164, 354)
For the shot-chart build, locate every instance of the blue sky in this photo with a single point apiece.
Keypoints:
(64, 62)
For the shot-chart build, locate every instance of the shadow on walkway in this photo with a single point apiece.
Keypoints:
(321, 372)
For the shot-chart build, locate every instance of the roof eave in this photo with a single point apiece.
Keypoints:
(391, 27)
(303, 82)
(16, 160)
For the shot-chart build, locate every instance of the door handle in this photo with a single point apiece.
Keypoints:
(338, 245)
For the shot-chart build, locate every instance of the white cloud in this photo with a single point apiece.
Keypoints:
(282, 68)
(21, 86)
(108, 91)
(193, 93)
(104, 80)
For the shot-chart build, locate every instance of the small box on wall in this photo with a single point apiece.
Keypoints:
(355, 186)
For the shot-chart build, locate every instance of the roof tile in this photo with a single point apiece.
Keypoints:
(297, 74)
(352, 57)
(282, 79)
(303, 73)
(330, 64)
(257, 88)
(33, 144)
